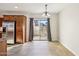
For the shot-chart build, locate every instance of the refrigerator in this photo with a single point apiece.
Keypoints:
(9, 31)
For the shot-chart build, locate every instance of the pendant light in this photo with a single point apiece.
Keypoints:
(46, 14)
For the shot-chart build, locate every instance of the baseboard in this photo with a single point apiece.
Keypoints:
(69, 49)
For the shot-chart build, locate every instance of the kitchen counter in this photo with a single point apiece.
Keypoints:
(3, 47)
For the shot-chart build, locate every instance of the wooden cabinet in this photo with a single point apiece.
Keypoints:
(3, 42)
(1, 19)
(9, 17)
(3, 47)
(20, 26)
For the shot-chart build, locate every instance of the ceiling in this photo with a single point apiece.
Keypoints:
(33, 7)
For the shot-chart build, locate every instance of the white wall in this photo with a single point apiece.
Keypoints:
(54, 27)
(69, 28)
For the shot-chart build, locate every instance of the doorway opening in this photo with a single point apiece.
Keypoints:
(40, 27)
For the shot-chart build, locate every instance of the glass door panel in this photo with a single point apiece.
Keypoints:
(40, 29)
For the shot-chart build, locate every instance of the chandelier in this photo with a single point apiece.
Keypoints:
(46, 14)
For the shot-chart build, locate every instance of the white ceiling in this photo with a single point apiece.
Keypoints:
(33, 7)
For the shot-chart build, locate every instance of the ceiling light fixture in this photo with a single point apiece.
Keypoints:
(46, 14)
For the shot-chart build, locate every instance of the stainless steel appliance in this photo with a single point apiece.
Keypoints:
(9, 31)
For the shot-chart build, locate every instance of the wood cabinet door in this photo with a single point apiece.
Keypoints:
(3, 47)
(6, 18)
(9, 17)
(1, 20)
(19, 34)
(19, 29)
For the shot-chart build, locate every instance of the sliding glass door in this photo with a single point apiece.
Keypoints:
(40, 27)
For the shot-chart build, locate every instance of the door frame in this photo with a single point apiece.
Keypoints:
(14, 30)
